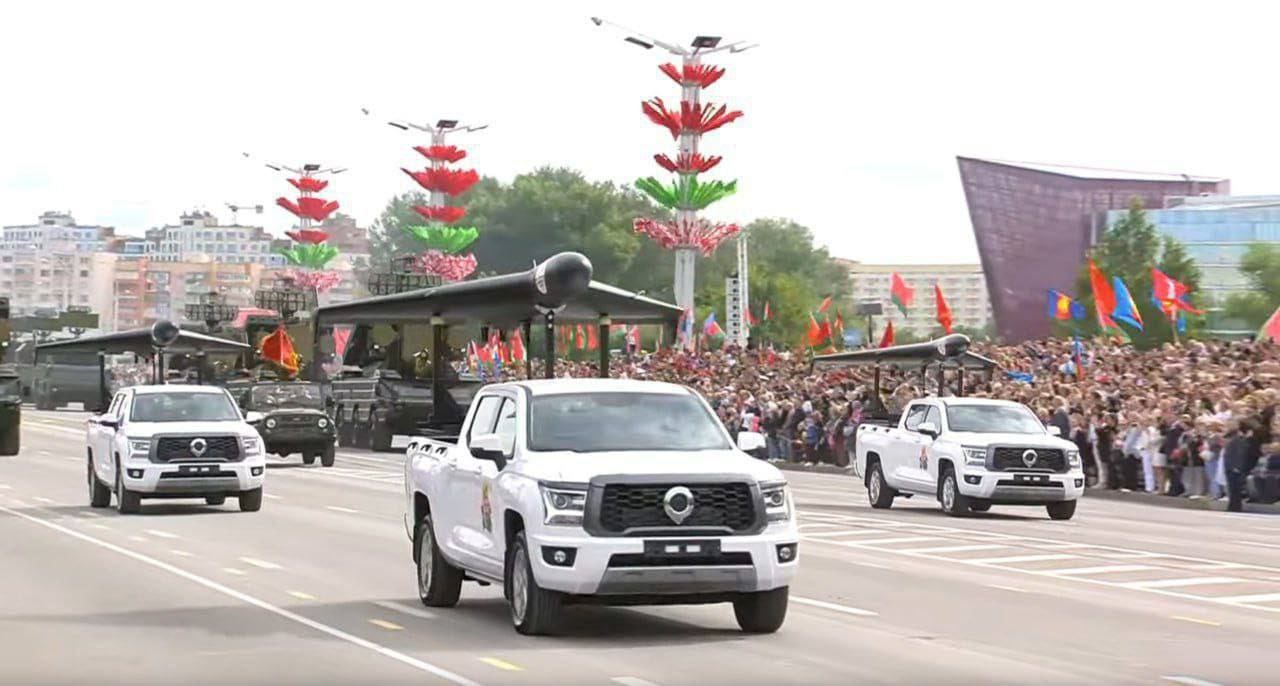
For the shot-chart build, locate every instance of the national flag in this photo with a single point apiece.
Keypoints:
(1170, 295)
(886, 340)
(483, 353)
(341, 337)
(767, 314)
(826, 329)
(710, 327)
(751, 319)
(815, 332)
(277, 347)
(944, 310)
(473, 358)
(517, 347)
(1271, 328)
(826, 304)
(1104, 299)
(1125, 309)
(1063, 307)
(1077, 357)
(901, 294)
(593, 338)
(582, 337)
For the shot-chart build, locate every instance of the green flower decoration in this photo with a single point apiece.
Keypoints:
(449, 239)
(312, 256)
(687, 193)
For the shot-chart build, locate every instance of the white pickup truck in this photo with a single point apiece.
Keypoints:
(173, 441)
(600, 491)
(970, 454)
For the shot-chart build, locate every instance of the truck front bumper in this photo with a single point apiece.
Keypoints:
(601, 566)
(194, 478)
(1022, 488)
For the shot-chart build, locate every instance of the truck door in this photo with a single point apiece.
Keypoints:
(907, 447)
(926, 462)
(467, 475)
(489, 530)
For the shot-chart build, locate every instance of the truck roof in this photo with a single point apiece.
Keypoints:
(952, 400)
(177, 388)
(558, 386)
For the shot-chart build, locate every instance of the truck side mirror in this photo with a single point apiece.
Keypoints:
(928, 428)
(750, 441)
(1055, 431)
(253, 417)
(488, 447)
(109, 423)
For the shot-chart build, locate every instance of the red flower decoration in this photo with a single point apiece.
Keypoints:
(692, 118)
(317, 209)
(308, 236)
(701, 234)
(441, 153)
(452, 182)
(319, 281)
(688, 164)
(441, 213)
(309, 184)
(693, 74)
(445, 266)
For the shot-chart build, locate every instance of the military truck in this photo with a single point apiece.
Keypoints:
(372, 407)
(10, 410)
(63, 379)
(291, 416)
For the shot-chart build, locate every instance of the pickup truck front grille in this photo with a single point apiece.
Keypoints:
(625, 507)
(1007, 458)
(178, 448)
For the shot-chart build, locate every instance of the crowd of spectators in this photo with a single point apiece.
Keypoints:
(1188, 420)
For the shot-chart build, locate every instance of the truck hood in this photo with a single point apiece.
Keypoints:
(149, 429)
(1021, 440)
(582, 467)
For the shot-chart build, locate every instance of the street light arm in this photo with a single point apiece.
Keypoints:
(674, 49)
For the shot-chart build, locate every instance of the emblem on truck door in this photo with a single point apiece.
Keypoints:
(678, 504)
(1029, 458)
(198, 446)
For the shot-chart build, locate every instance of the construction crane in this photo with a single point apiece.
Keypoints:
(235, 211)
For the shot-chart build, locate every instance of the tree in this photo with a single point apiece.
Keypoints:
(1261, 267)
(1129, 249)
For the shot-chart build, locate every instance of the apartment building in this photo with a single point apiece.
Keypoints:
(962, 285)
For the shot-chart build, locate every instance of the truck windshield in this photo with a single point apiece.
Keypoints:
(597, 422)
(183, 407)
(993, 419)
(272, 396)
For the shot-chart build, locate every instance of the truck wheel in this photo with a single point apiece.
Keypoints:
(1062, 510)
(326, 456)
(99, 493)
(308, 457)
(534, 611)
(439, 583)
(251, 501)
(878, 492)
(342, 429)
(979, 505)
(763, 612)
(954, 503)
(215, 500)
(380, 437)
(9, 440)
(360, 436)
(127, 502)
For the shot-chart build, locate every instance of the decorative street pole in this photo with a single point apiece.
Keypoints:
(689, 235)
(311, 252)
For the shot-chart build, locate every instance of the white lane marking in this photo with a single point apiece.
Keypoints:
(800, 527)
(1264, 545)
(302, 596)
(1022, 558)
(1195, 620)
(347, 510)
(404, 609)
(272, 496)
(42, 499)
(5, 487)
(882, 541)
(46, 453)
(955, 549)
(1008, 588)
(161, 534)
(1106, 569)
(260, 564)
(251, 600)
(631, 681)
(1174, 583)
(234, 572)
(863, 563)
(181, 553)
(104, 527)
(1189, 681)
(384, 624)
(834, 607)
(845, 532)
(1259, 598)
(88, 514)
(137, 539)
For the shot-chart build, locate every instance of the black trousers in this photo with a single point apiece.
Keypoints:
(1235, 490)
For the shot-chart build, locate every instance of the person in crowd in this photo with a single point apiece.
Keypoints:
(1235, 458)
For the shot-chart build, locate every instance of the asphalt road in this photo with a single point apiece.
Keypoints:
(318, 588)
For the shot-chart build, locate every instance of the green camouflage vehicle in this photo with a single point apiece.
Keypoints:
(10, 410)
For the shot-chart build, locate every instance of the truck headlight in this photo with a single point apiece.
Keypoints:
(777, 502)
(1073, 458)
(140, 446)
(322, 423)
(974, 456)
(252, 445)
(271, 423)
(564, 506)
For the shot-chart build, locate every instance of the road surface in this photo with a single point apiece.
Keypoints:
(318, 588)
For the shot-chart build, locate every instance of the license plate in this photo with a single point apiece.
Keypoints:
(681, 548)
(1031, 479)
(187, 469)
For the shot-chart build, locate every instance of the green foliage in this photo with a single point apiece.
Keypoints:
(310, 255)
(1129, 249)
(687, 192)
(1261, 267)
(450, 239)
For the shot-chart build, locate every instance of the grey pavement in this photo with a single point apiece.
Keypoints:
(318, 588)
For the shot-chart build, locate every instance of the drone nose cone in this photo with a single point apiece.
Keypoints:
(562, 276)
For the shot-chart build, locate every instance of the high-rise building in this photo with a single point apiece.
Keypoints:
(198, 236)
(133, 292)
(1034, 222)
(47, 265)
(962, 286)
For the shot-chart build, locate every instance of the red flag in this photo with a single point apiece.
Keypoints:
(277, 347)
(767, 314)
(826, 329)
(815, 332)
(887, 339)
(944, 311)
(593, 339)
(1171, 294)
(826, 304)
(517, 347)
(751, 319)
(1271, 329)
(482, 352)
(494, 347)
(1104, 299)
(900, 293)
(582, 338)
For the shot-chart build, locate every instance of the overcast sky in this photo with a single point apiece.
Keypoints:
(129, 113)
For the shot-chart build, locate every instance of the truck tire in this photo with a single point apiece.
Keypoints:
(979, 505)
(1061, 510)
(535, 611)
(9, 440)
(954, 503)
(380, 436)
(326, 456)
(308, 457)
(127, 502)
(762, 612)
(439, 583)
(99, 493)
(342, 428)
(878, 492)
(360, 436)
(251, 501)
(215, 500)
